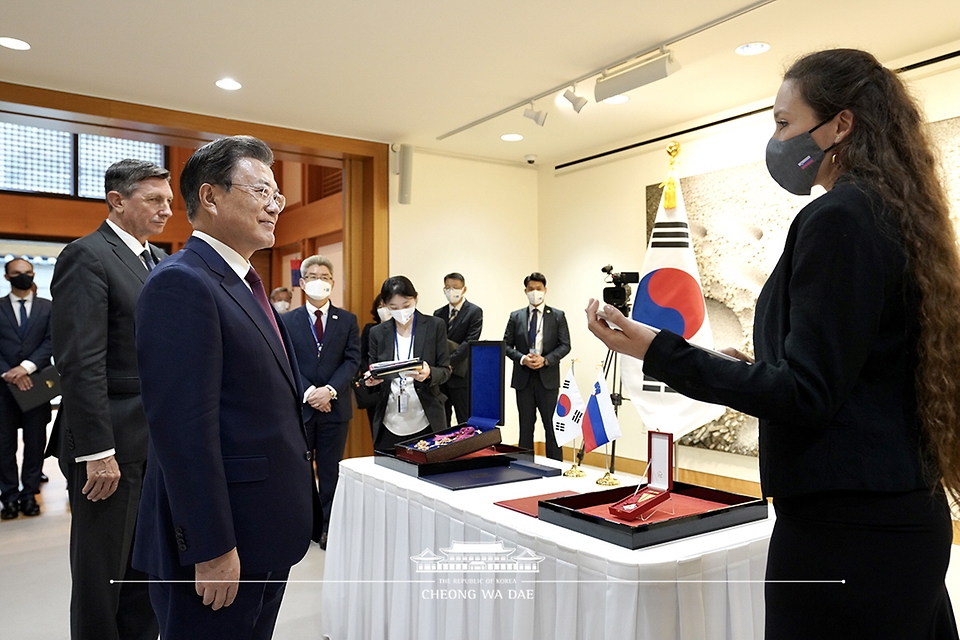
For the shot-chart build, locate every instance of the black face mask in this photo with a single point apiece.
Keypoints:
(794, 162)
(22, 281)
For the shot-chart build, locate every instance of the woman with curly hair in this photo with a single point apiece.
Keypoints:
(857, 373)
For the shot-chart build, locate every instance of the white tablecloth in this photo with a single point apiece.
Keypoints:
(705, 587)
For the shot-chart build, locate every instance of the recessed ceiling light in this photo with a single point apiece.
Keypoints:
(620, 99)
(13, 43)
(229, 84)
(752, 49)
(511, 137)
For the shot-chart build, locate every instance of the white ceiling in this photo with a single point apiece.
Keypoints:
(408, 72)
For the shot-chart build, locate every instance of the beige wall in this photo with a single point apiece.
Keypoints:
(475, 217)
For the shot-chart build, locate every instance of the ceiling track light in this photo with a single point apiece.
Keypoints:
(578, 102)
(537, 116)
(611, 67)
(619, 80)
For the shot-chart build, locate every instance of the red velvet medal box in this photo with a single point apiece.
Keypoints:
(691, 510)
(659, 480)
(673, 510)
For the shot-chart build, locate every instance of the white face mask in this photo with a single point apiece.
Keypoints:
(535, 296)
(318, 289)
(453, 295)
(282, 306)
(384, 314)
(402, 316)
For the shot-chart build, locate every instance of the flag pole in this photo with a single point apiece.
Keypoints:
(616, 399)
(575, 471)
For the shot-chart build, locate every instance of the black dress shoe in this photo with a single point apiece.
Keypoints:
(323, 541)
(10, 511)
(44, 478)
(29, 507)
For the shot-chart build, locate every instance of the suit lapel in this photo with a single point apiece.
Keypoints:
(6, 308)
(123, 252)
(237, 289)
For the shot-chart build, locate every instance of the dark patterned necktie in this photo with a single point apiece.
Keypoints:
(318, 325)
(256, 286)
(148, 260)
(533, 329)
(23, 318)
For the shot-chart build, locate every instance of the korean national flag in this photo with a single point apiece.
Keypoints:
(670, 296)
(569, 412)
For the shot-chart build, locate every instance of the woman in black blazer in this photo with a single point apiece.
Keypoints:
(857, 373)
(410, 406)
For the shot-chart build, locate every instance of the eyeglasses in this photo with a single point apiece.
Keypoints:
(311, 278)
(264, 194)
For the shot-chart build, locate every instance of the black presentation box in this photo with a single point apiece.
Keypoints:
(487, 376)
(725, 510)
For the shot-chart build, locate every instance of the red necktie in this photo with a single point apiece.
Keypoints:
(318, 325)
(256, 286)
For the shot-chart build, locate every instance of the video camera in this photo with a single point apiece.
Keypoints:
(618, 295)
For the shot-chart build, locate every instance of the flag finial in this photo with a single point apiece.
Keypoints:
(670, 184)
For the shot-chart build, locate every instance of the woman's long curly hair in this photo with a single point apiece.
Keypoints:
(889, 150)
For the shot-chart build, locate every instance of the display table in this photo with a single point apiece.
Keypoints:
(386, 524)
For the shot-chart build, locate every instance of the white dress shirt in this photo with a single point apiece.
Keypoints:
(132, 243)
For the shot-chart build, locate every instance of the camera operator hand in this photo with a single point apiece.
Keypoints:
(633, 339)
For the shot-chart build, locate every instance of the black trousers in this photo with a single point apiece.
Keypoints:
(458, 400)
(890, 550)
(533, 398)
(327, 439)
(252, 616)
(101, 542)
(34, 426)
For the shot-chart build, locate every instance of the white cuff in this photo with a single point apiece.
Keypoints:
(29, 366)
(306, 394)
(97, 456)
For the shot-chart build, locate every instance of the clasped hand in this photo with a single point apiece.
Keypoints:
(19, 376)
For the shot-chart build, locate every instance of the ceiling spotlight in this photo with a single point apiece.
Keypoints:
(537, 116)
(578, 102)
(752, 49)
(13, 43)
(511, 137)
(229, 84)
(631, 76)
(617, 99)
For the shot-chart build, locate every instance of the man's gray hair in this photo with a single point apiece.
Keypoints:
(314, 261)
(126, 175)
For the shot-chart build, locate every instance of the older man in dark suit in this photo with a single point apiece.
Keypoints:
(228, 498)
(24, 348)
(464, 324)
(327, 343)
(537, 338)
(103, 432)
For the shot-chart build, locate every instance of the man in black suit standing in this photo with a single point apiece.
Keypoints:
(327, 345)
(536, 339)
(24, 349)
(464, 323)
(103, 430)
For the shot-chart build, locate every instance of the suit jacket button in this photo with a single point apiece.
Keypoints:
(182, 547)
(179, 531)
(308, 455)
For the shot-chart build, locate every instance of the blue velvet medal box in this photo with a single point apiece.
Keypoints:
(481, 450)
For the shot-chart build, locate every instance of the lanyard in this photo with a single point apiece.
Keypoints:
(396, 339)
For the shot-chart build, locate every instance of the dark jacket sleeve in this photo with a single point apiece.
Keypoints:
(510, 338)
(44, 351)
(563, 340)
(79, 332)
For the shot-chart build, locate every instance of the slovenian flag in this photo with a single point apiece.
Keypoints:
(600, 424)
(669, 296)
(569, 412)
